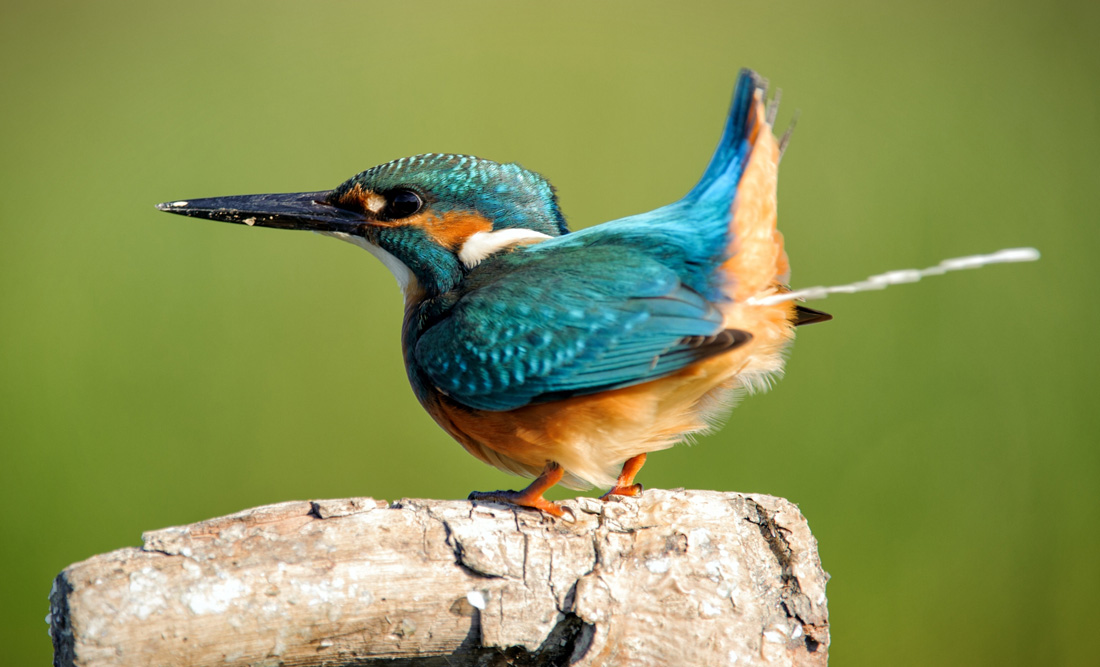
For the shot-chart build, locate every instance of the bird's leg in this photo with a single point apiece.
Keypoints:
(625, 486)
(532, 495)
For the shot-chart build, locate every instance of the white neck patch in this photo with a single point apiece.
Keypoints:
(405, 278)
(483, 244)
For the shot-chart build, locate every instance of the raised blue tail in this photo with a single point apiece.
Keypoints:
(693, 235)
(719, 182)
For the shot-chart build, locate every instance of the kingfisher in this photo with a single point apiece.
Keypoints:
(568, 356)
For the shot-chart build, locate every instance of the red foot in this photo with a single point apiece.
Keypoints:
(532, 495)
(617, 490)
(625, 485)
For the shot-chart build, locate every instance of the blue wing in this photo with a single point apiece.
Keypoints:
(535, 327)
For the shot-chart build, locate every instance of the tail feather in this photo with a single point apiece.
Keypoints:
(719, 181)
(755, 260)
(721, 236)
(738, 192)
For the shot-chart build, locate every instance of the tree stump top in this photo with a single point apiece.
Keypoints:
(668, 577)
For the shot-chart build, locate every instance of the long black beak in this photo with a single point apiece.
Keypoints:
(298, 210)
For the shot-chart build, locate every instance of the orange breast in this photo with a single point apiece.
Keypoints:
(591, 436)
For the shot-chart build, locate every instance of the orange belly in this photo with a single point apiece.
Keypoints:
(591, 436)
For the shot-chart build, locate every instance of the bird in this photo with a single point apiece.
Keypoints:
(568, 356)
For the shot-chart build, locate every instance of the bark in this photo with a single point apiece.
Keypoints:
(667, 578)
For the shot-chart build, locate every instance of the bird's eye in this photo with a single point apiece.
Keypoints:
(402, 204)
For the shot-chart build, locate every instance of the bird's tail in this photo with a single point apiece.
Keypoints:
(739, 187)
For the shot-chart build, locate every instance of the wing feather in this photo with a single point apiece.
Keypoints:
(576, 321)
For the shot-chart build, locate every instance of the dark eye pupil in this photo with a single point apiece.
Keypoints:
(402, 204)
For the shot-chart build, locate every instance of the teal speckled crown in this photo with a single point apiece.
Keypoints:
(507, 194)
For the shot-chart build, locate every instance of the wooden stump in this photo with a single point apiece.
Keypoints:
(667, 578)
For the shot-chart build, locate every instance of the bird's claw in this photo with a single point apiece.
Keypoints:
(521, 499)
(617, 490)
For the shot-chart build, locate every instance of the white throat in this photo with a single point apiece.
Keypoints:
(405, 278)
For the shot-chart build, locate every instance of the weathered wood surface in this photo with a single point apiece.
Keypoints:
(667, 578)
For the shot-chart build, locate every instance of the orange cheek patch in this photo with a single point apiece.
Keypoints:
(451, 230)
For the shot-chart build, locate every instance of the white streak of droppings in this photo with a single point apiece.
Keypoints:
(477, 599)
(900, 277)
(482, 244)
(658, 565)
(178, 203)
(708, 610)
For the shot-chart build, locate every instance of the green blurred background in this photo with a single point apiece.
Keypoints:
(941, 438)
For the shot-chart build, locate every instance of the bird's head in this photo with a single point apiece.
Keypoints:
(429, 218)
